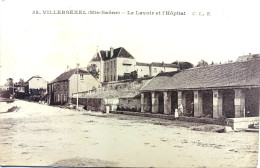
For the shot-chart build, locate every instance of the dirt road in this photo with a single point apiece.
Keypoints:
(50, 136)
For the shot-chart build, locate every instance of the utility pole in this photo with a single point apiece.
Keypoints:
(77, 86)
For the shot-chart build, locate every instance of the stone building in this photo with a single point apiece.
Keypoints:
(60, 90)
(229, 90)
(115, 63)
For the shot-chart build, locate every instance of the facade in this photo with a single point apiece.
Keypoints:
(229, 90)
(154, 68)
(61, 89)
(116, 63)
(36, 85)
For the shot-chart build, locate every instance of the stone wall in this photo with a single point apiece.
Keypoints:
(93, 104)
(118, 89)
(129, 104)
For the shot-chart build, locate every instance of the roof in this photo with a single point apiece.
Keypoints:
(231, 75)
(118, 52)
(36, 76)
(142, 64)
(96, 57)
(157, 64)
(66, 75)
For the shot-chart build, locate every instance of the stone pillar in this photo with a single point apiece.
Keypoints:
(239, 103)
(198, 110)
(217, 104)
(167, 102)
(142, 102)
(155, 102)
(180, 103)
(259, 100)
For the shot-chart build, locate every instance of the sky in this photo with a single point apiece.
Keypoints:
(45, 44)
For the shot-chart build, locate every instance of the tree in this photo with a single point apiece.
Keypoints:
(134, 74)
(21, 82)
(9, 82)
(202, 63)
(93, 70)
(183, 65)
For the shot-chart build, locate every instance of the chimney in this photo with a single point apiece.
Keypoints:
(68, 68)
(106, 53)
(111, 51)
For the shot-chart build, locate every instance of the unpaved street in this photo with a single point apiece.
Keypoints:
(50, 136)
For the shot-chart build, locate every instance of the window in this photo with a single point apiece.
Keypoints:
(115, 63)
(114, 77)
(65, 98)
(105, 78)
(155, 70)
(81, 77)
(58, 98)
(111, 77)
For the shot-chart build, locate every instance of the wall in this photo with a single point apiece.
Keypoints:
(142, 71)
(60, 92)
(116, 89)
(110, 70)
(129, 104)
(157, 69)
(93, 104)
(121, 69)
(37, 83)
(87, 83)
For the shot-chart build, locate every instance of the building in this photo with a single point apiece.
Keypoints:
(114, 64)
(248, 57)
(36, 85)
(229, 90)
(60, 90)
(152, 69)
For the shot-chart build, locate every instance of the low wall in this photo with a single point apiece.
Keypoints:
(203, 120)
(93, 104)
(112, 103)
(129, 104)
(163, 116)
(241, 123)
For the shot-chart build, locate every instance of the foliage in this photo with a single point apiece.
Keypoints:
(184, 65)
(202, 63)
(93, 70)
(133, 75)
(9, 82)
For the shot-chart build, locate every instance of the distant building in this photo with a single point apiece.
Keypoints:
(248, 57)
(115, 63)
(60, 90)
(35, 88)
(36, 82)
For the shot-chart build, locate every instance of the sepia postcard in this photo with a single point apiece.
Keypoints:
(127, 83)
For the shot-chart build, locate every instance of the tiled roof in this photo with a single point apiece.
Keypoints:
(66, 75)
(118, 52)
(231, 75)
